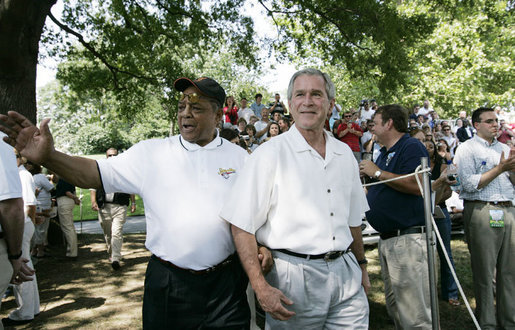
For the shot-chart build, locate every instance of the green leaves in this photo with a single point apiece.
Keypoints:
(458, 54)
(364, 36)
(132, 47)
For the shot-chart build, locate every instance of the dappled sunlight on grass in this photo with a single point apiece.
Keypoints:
(88, 294)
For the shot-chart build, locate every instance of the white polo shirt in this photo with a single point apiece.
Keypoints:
(44, 197)
(291, 198)
(28, 190)
(245, 113)
(10, 185)
(366, 115)
(183, 187)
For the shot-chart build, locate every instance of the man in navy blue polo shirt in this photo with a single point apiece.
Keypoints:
(397, 212)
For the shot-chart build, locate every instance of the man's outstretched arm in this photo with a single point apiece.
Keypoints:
(37, 145)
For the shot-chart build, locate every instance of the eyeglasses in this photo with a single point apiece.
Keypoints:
(446, 129)
(193, 97)
(347, 116)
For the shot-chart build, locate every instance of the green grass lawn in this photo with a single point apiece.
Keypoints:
(90, 287)
(89, 214)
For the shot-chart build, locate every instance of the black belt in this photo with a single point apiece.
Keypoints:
(331, 255)
(502, 203)
(221, 265)
(400, 232)
(1, 234)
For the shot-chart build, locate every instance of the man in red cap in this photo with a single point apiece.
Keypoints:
(194, 278)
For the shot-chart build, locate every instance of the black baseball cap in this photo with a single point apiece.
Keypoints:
(207, 86)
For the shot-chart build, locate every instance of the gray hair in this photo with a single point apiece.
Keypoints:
(329, 86)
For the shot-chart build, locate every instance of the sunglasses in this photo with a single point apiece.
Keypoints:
(193, 97)
(348, 116)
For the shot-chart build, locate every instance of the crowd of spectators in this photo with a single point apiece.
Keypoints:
(257, 124)
(250, 127)
(441, 137)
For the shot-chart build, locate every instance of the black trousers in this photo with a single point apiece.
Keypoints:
(177, 299)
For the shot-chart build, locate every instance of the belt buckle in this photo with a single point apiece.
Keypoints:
(332, 255)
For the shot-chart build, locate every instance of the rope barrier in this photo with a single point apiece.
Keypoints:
(439, 237)
(417, 171)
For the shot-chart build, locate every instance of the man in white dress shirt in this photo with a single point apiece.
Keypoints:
(308, 211)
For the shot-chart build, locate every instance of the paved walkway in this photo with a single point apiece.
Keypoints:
(134, 224)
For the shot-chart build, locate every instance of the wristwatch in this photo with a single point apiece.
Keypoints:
(363, 261)
(14, 256)
(377, 174)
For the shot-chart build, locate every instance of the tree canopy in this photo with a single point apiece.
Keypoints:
(456, 53)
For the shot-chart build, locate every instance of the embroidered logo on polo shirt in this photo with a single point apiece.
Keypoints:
(225, 173)
(389, 158)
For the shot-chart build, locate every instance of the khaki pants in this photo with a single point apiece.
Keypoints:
(111, 218)
(491, 249)
(65, 207)
(406, 280)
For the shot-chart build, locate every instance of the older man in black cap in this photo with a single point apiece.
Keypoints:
(194, 278)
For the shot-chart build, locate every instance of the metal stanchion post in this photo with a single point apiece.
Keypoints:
(80, 209)
(430, 245)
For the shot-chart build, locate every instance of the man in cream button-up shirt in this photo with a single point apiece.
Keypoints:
(300, 195)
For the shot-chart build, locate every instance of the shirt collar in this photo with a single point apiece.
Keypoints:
(217, 142)
(483, 141)
(395, 146)
(300, 144)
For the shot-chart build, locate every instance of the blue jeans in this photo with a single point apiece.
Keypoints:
(448, 285)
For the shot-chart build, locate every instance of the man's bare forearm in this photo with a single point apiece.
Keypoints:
(31, 213)
(359, 253)
(357, 243)
(79, 171)
(93, 196)
(246, 246)
(12, 220)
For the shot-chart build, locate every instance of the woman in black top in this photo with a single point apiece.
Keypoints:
(441, 186)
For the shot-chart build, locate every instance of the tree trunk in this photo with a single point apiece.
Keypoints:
(21, 25)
